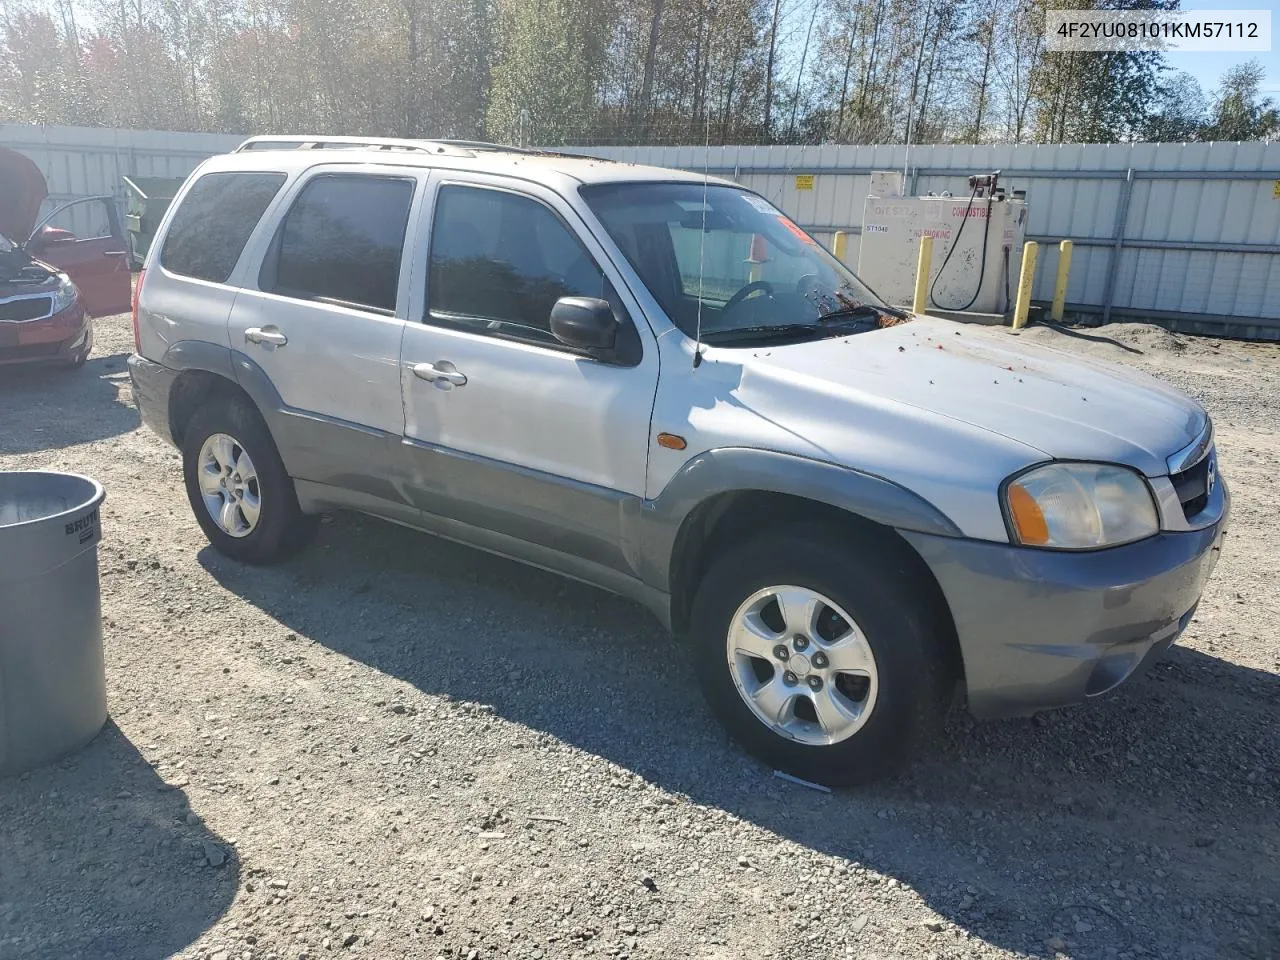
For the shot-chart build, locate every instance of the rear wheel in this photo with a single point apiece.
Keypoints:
(240, 492)
(817, 656)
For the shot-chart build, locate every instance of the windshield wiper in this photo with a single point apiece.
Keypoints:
(764, 330)
(861, 310)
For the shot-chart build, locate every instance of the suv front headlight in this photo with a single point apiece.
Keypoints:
(1079, 506)
(65, 296)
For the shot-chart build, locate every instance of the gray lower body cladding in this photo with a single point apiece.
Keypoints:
(1037, 628)
(1043, 628)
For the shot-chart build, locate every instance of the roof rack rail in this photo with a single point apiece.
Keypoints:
(457, 148)
(368, 143)
(485, 145)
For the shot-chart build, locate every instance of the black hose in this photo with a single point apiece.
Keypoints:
(1006, 279)
(982, 271)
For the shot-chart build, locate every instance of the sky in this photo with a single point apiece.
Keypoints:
(1208, 68)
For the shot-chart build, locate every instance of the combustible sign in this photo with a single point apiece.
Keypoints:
(804, 181)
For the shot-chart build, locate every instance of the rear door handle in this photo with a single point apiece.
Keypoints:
(441, 370)
(265, 335)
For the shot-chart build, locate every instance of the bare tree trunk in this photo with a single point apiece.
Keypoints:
(869, 67)
(804, 55)
(650, 58)
(413, 109)
(928, 78)
(982, 85)
(844, 80)
(726, 117)
(768, 70)
(915, 74)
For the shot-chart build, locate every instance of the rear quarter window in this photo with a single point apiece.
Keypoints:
(214, 222)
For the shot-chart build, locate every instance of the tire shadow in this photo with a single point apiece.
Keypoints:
(101, 860)
(1099, 831)
(46, 408)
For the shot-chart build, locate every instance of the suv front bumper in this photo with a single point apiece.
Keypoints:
(1046, 628)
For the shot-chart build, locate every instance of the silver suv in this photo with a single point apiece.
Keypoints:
(659, 384)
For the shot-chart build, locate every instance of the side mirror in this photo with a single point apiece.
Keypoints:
(587, 323)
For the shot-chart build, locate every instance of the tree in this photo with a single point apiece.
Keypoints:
(1179, 113)
(1239, 111)
(545, 69)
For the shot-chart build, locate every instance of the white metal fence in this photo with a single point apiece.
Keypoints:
(90, 161)
(1185, 234)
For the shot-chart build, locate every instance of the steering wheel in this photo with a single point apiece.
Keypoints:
(808, 284)
(752, 287)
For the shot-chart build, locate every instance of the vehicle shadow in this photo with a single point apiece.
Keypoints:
(1016, 832)
(101, 860)
(46, 408)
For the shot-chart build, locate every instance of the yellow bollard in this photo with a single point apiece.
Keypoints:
(838, 244)
(1060, 288)
(1025, 277)
(920, 302)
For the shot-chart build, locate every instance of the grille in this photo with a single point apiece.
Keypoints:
(29, 309)
(1192, 484)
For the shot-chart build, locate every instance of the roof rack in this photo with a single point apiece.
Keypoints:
(462, 148)
(455, 148)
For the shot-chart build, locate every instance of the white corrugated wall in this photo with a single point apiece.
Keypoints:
(1190, 228)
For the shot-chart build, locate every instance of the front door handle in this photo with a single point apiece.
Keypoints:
(265, 335)
(441, 370)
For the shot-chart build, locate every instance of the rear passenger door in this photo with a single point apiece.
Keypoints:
(321, 323)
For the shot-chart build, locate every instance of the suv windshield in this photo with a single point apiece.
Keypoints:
(754, 272)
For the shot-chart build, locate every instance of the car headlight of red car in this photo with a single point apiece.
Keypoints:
(66, 295)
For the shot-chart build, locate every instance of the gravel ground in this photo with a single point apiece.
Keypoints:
(397, 747)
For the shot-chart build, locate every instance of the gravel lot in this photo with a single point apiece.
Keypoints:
(397, 747)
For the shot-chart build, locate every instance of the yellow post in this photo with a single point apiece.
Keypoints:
(1025, 276)
(920, 302)
(1060, 288)
(838, 244)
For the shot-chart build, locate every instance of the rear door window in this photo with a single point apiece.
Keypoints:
(211, 227)
(342, 241)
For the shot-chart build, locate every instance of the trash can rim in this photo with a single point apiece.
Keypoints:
(99, 494)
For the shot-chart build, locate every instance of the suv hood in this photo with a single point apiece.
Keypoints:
(22, 191)
(1065, 406)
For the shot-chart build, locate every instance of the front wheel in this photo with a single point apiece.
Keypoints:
(817, 656)
(242, 496)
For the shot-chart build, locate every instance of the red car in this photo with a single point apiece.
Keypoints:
(51, 281)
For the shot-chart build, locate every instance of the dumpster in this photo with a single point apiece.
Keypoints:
(53, 691)
(148, 198)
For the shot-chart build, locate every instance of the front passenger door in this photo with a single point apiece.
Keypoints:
(524, 436)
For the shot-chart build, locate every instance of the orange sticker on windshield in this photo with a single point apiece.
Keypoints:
(796, 230)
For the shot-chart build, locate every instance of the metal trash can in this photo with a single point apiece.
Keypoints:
(53, 690)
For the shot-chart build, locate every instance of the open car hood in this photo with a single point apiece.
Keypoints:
(22, 191)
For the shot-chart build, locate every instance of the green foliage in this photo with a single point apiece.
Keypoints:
(604, 71)
(1239, 111)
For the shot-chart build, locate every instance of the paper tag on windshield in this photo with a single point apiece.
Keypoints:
(800, 234)
(761, 204)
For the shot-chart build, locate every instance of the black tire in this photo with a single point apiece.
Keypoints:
(874, 585)
(282, 528)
